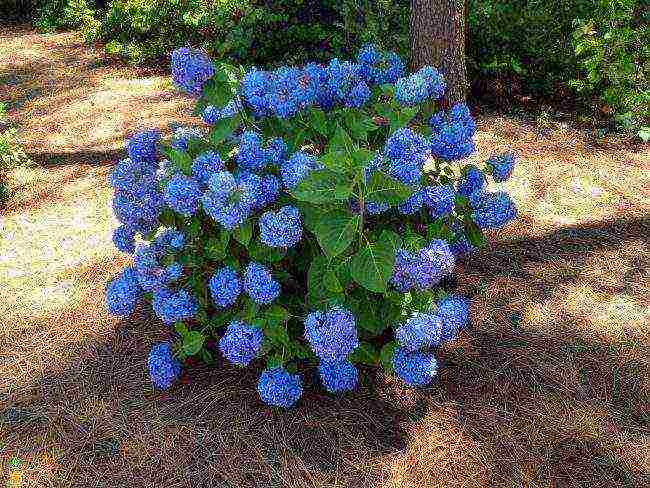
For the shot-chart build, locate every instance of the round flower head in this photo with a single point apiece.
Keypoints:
(143, 146)
(501, 166)
(282, 228)
(279, 388)
(453, 133)
(173, 272)
(415, 368)
(419, 332)
(190, 68)
(251, 156)
(123, 293)
(205, 165)
(211, 114)
(453, 312)
(171, 238)
(358, 96)
(255, 86)
(297, 168)
(439, 200)
(338, 375)
(331, 334)
(265, 188)
(229, 201)
(124, 239)
(406, 151)
(182, 194)
(173, 306)
(435, 261)
(163, 368)
(241, 343)
(494, 210)
(402, 278)
(461, 246)
(472, 184)
(275, 151)
(182, 137)
(260, 285)
(414, 203)
(225, 287)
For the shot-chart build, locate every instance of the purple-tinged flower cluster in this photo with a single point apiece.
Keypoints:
(453, 133)
(423, 270)
(260, 285)
(124, 239)
(205, 165)
(494, 210)
(123, 293)
(419, 332)
(440, 200)
(182, 194)
(296, 169)
(425, 84)
(379, 68)
(241, 343)
(331, 334)
(164, 369)
(143, 146)
(151, 274)
(406, 152)
(191, 68)
(279, 388)
(338, 375)
(229, 200)
(172, 306)
(415, 368)
(282, 228)
(453, 312)
(501, 166)
(225, 287)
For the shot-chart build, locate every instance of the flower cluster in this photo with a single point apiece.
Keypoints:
(282, 234)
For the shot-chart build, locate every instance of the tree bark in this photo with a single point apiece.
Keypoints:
(437, 35)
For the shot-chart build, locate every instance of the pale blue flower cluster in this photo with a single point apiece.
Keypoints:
(229, 200)
(182, 194)
(378, 67)
(260, 285)
(453, 312)
(123, 293)
(415, 368)
(174, 305)
(332, 334)
(191, 68)
(425, 84)
(419, 332)
(279, 388)
(338, 375)
(501, 166)
(494, 210)
(423, 270)
(225, 287)
(241, 343)
(282, 228)
(453, 133)
(297, 167)
(164, 369)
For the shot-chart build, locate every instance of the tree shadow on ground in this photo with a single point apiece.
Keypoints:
(517, 403)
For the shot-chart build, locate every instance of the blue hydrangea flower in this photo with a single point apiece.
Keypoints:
(472, 184)
(424, 269)
(265, 188)
(275, 151)
(414, 203)
(338, 375)
(164, 369)
(299, 165)
(123, 293)
(427, 83)
(255, 85)
(406, 151)
(331, 334)
(440, 200)
(173, 272)
(171, 238)
(173, 306)
(205, 165)
(225, 287)
(182, 194)
(453, 312)
(494, 210)
(190, 68)
(376, 208)
(279, 388)
(124, 239)
(282, 228)
(461, 246)
(260, 285)
(415, 368)
(453, 133)
(358, 96)
(229, 201)
(251, 156)
(378, 68)
(143, 146)
(241, 343)
(419, 332)
(501, 166)
(182, 136)
(211, 114)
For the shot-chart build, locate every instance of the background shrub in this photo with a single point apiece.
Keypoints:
(64, 14)
(11, 153)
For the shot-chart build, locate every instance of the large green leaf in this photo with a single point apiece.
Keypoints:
(215, 247)
(244, 233)
(386, 356)
(373, 265)
(223, 129)
(382, 188)
(192, 342)
(323, 186)
(263, 253)
(366, 354)
(318, 294)
(335, 231)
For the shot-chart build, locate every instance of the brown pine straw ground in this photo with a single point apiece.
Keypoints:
(548, 388)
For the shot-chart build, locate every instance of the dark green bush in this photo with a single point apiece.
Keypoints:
(64, 14)
(15, 11)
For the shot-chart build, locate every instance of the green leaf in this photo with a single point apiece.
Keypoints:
(192, 342)
(404, 116)
(394, 239)
(475, 234)
(318, 121)
(263, 253)
(223, 129)
(341, 141)
(275, 361)
(276, 315)
(244, 233)
(317, 293)
(194, 229)
(323, 186)
(382, 188)
(217, 91)
(181, 160)
(215, 247)
(335, 231)
(366, 354)
(331, 282)
(206, 357)
(181, 328)
(386, 356)
(372, 266)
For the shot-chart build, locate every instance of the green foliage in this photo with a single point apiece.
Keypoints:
(64, 14)
(12, 154)
(614, 52)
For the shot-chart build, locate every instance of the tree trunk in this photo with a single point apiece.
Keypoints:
(437, 33)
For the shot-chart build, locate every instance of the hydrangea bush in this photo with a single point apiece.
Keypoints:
(315, 221)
